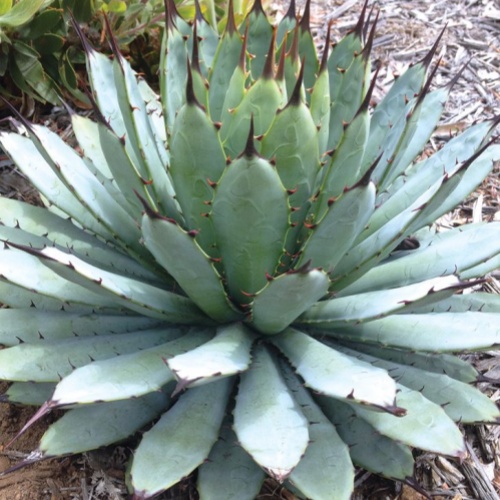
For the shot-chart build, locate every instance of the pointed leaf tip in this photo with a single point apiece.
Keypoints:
(291, 12)
(369, 43)
(268, 71)
(296, 97)
(257, 8)
(250, 150)
(231, 21)
(426, 61)
(324, 58)
(190, 94)
(358, 29)
(305, 22)
(171, 13)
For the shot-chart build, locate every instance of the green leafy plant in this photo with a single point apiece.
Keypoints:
(248, 267)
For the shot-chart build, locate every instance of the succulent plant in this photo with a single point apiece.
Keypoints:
(248, 266)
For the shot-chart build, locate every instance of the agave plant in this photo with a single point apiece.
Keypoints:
(248, 267)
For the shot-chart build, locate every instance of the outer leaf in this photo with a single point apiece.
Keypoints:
(226, 354)
(335, 477)
(460, 401)
(181, 440)
(28, 393)
(477, 301)
(141, 136)
(28, 325)
(229, 464)
(24, 270)
(389, 110)
(422, 175)
(421, 123)
(441, 255)
(49, 360)
(32, 163)
(368, 448)
(134, 294)
(100, 424)
(266, 416)
(425, 424)
(51, 230)
(126, 376)
(372, 305)
(284, 298)
(334, 374)
(445, 332)
(182, 257)
(437, 363)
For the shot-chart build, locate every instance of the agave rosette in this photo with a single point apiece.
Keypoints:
(231, 263)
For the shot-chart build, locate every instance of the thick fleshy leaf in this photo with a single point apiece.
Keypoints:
(259, 35)
(445, 332)
(141, 137)
(292, 143)
(179, 253)
(250, 214)
(100, 424)
(43, 223)
(335, 477)
(461, 402)
(226, 354)
(266, 416)
(441, 255)
(334, 374)
(229, 464)
(344, 167)
(368, 448)
(260, 102)
(334, 234)
(446, 364)
(225, 62)
(284, 298)
(73, 172)
(20, 269)
(136, 295)
(477, 301)
(28, 393)
(181, 440)
(422, 175)
(126, 376)
(424, 426)
(31, 163)
(173, 70)
(193, 165)
(373, 305)
(49, 360)
(29, 325)
(389, 110)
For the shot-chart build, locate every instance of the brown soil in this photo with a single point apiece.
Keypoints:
(49, 480)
